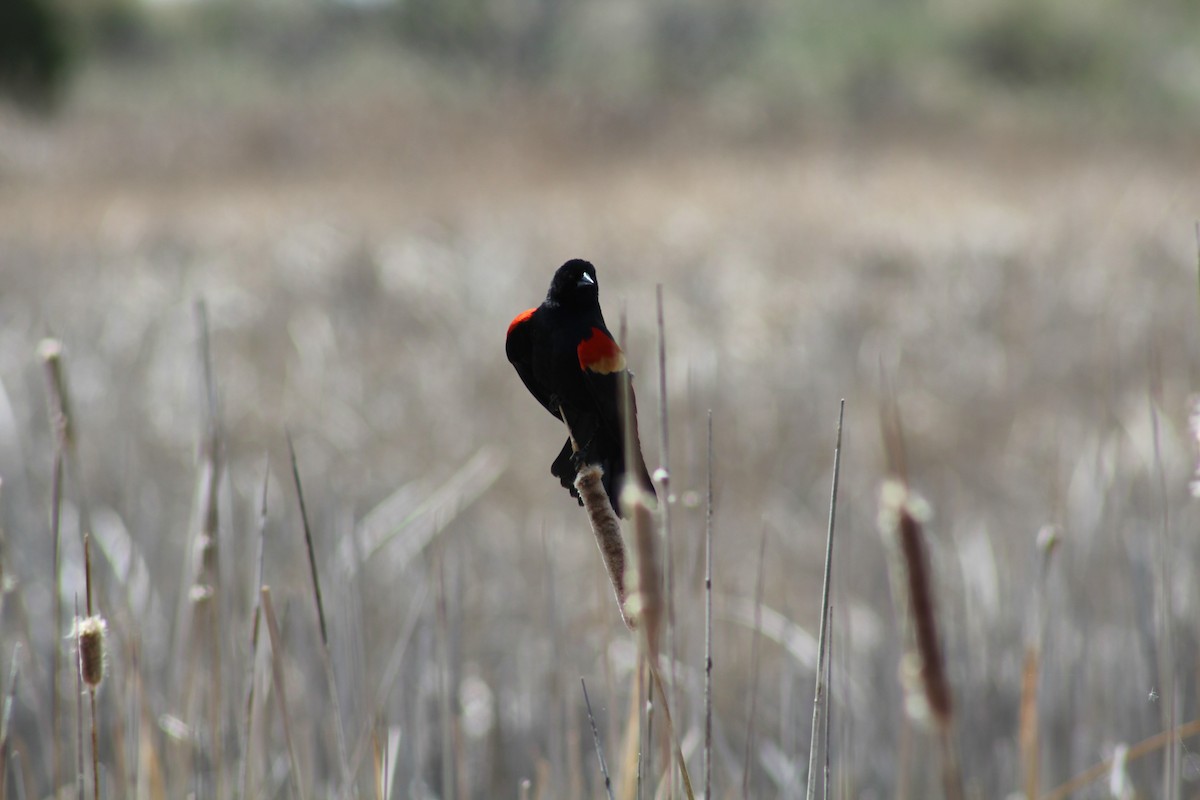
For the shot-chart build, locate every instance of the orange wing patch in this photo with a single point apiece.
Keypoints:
(523, 316)
(599, 353)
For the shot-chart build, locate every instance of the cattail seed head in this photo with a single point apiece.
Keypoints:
(606, 528)
(90, 634)
(902, 516)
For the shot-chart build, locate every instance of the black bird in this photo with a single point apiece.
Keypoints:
(570, 362)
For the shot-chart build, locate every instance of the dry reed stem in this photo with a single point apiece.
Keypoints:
(444, 703)
(326, 654)
(671, 733)
(1028, 734)
(390, 674)
(277, 676)
(380, 767)
(596, 737)
(662, 477)
(645, 767)
(631, 750)
(10, 700)
(1166, 641)
(208, 569)
(754, 662)
(708, 650)
(255, 626)
(50, 352)
(819, 689)
(825, 712)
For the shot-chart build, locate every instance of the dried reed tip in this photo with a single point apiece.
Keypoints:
(645, 603)
(1048, 539)
(902, 515)
(49, 350)
(90, 633)
(606, 527)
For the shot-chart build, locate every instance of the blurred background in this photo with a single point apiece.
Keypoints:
(982, 212)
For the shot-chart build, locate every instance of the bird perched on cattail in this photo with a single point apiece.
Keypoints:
(570, 362)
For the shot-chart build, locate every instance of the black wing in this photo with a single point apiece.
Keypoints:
(519, 347)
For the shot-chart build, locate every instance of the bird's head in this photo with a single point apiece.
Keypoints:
(574, 283)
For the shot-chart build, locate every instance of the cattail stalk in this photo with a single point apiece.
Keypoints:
(1028, 737)
(50, 351)
(277, 673)
(708, 650)
(823, 633)
(255, 627)
(326, 653)
(10, 699)
(596, 736)
(754, 660)
(662, 477)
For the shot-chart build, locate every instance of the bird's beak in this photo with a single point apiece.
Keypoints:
(586, 280)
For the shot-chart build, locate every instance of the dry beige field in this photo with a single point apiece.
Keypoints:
(1030, 301)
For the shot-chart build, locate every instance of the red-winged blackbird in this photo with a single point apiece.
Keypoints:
(570, 362)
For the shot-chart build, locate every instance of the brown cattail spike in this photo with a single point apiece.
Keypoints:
(901, 519)
(90, 633)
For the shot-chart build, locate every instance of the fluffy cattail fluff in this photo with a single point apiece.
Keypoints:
(606, 527)
(89, 633)
(645, 604)
(901, 519)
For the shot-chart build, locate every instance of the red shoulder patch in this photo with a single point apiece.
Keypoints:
(522, 317)
(599, 353)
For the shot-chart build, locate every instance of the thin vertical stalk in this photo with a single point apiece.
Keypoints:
(663, 478)
(708, 649)
(1171, 755)
(754, 659)
(823, 633)
(10, 700)
(50, 351)
(277, 673)
(596, 736)
(255, 626)
(326, 653)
